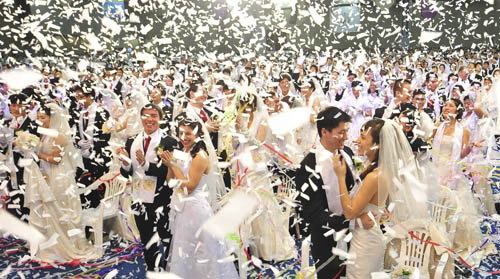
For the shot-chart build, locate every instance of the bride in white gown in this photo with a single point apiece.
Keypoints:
(194, 252)
(55, 207)
(385, 146)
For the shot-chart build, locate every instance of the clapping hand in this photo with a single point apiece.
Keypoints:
(478, 144)
(212, 126)
(123, 156)
(140, 157)
(339, 165)
(167, 158)
(85, 144)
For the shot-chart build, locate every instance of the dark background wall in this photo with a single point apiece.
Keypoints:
(187, 27)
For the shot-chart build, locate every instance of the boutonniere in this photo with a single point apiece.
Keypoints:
(358, 164)
(159, 149)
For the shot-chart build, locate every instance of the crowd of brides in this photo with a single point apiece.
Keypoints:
(349, 148)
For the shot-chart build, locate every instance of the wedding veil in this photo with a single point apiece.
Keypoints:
(59, 122)
(398, 179)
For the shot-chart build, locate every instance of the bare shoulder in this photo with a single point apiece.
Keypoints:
(372, 178)
(201, 158)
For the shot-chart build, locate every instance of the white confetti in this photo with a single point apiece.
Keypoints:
(231, 215)
(20, 78)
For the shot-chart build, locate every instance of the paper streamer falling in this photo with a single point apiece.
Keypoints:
(227, 219)
(14, 226)
(288, 121)
(427, 36)
(317, 18)
(20, 78)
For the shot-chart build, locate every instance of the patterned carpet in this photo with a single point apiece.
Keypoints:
(124, 260)
(120, 259)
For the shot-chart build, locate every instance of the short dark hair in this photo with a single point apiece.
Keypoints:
(451, 75)
(152, 106)
(20, 99)
(309, 83)
(330, 118)
(192, 88)
(86, 88)
(403, 108)
(355, 83)
(418, 92)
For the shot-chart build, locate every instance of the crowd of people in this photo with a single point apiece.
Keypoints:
(368, 141)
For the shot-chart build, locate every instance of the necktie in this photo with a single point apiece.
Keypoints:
(85, 120)
(143, 82)
(204, 116)
(146, 144)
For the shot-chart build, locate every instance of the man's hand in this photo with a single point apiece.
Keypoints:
(123, 156)
(140, 157)
(212, 126)
(367, 222)
(85, 144)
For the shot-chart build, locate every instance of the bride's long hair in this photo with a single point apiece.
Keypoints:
(374, 126)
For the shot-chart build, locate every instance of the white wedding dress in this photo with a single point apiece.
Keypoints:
(55, 208)
(369, 248)
(195, 253)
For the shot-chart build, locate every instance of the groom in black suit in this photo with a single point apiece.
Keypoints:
(151, 195)
(92, 142)
(319, 197)
(20, 122)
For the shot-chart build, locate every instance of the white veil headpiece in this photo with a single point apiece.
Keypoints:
(59, 122)
(260, 114)
(398, 177)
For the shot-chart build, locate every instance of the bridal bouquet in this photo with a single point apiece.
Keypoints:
(401, 273)
(27, 142)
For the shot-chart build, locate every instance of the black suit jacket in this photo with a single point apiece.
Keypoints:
(28, 126)
(313, 209)
(100, 139)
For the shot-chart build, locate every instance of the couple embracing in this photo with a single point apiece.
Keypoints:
(334, 200)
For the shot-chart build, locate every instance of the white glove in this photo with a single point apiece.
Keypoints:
(85, 144)
(86, 153)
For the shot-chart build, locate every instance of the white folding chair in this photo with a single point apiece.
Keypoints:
(443, 215)
(287, 191)
(108, 208)
(415, 253)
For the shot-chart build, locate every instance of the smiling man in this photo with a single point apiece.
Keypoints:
(150, 195)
